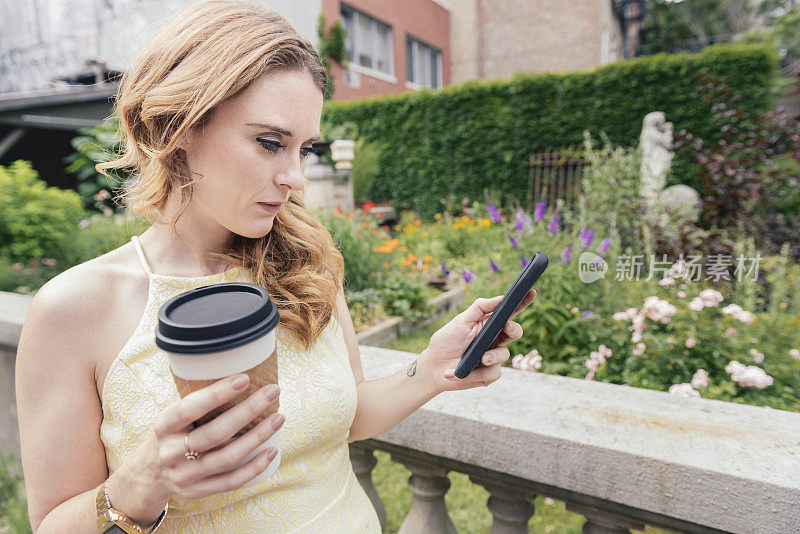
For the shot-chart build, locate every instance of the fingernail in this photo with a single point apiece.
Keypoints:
(450, 373)
(277, 421)
(273, 392)
(240, 382)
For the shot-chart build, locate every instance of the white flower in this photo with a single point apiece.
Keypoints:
(700, 379)
(794, 353)
(683, 390)
(748, 376)
(666, 282)
(757, 356)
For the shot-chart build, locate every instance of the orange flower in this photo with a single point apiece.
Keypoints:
(424, 266)
(364, 224)
(385, 265)
(427, 258)
(409, 260)
(417, 222)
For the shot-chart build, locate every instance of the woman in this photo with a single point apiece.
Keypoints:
(219, 111)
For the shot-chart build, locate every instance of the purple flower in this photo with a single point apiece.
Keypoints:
(586, 314)
(553, 227)
(586, 236)
(468, 276)
(523, 260)
(604, 245)
(494, 214)
(84, 223)
(523, 221)
(444, 269)
(494, 266)
(566, 255)
(541, 209)
(513, 241)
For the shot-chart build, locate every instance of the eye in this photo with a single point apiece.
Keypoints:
(270, 144)
(273, 146)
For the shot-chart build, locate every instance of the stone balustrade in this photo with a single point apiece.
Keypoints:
(623, 457)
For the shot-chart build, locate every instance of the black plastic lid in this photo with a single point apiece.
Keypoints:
(214, 318)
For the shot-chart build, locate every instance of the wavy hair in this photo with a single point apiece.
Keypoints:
(210, 52)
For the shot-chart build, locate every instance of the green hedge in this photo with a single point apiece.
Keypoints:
(464, 138)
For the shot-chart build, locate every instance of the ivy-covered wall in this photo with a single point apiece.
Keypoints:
(465, 138)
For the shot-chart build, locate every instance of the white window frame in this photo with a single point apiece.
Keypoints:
(415, 62)
(354, 49)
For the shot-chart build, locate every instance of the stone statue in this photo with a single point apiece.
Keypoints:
(675, 204)
(656, 146)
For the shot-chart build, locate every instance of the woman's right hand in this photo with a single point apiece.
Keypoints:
(161, 470)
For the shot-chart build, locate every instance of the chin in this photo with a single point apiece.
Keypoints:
(258, 232)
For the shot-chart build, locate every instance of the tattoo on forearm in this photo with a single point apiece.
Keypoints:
(412, 369)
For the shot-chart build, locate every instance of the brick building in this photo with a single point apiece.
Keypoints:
(498, 38)
(392, 46)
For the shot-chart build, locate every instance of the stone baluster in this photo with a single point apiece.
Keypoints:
(511, 507)
(363, 461)
(599, 521)
(428, 513)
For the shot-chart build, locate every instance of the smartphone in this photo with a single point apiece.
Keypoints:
(500, 316)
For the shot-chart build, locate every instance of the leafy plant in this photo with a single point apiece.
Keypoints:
(34, 218)
(94, 145)
(13, 504)
(742, 167)
(405, 295)
(331, 44)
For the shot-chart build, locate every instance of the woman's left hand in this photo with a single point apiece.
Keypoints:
(449, 342)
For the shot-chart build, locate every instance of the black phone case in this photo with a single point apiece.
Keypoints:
(500, 316)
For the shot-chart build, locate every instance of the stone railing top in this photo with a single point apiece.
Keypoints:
(13, 309)
(724, 465)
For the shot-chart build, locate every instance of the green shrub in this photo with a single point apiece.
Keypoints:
(405, 295)
(94, 145)
(362, 265)
(34, 218)
(366, 157)
(464, 138)
(13, 504)
(98, 234)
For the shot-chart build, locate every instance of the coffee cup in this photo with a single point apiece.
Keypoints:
(219, 330)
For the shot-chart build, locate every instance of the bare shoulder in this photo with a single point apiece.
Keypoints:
(77, 304)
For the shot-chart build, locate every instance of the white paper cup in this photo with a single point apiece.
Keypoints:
(217, 331)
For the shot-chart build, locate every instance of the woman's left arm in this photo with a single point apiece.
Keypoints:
(387, 401)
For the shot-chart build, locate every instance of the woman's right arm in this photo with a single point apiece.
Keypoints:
(60, 413)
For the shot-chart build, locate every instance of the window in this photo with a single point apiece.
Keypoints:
(424, 64)
(369, 41)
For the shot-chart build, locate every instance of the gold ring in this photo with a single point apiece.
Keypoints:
(189, 454)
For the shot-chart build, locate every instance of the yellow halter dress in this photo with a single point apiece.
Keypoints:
(314, 490)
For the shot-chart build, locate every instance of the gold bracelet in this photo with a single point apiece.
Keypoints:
(108, 517)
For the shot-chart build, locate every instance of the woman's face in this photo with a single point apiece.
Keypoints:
(253, 150)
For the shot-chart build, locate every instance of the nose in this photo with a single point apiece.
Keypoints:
(292, 174)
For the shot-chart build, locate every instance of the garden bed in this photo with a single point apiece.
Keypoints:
(389, 330)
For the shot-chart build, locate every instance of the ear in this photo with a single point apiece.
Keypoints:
(186, 139)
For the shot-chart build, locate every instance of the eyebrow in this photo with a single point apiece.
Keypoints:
(279, 130)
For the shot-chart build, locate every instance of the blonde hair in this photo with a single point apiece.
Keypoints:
(207, 54)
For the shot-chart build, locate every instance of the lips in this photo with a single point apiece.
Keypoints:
(271, 206)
